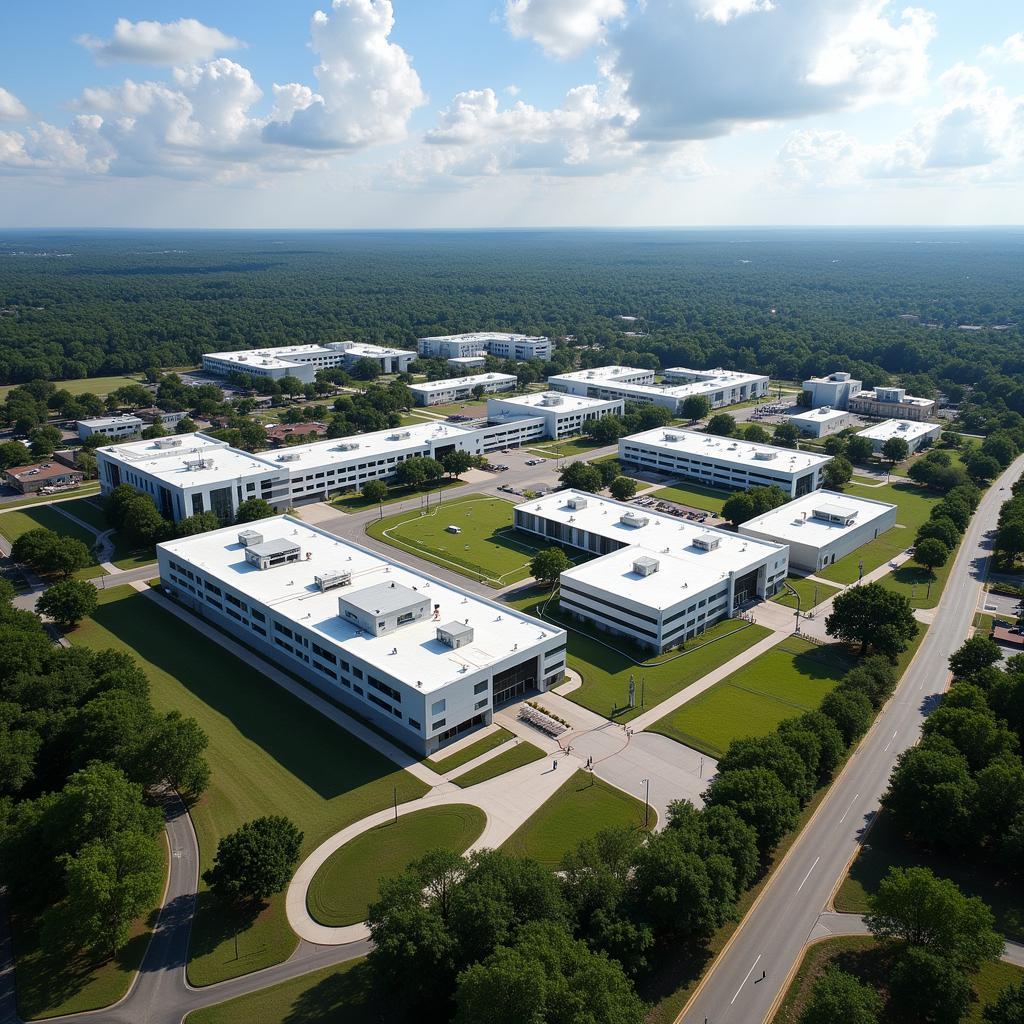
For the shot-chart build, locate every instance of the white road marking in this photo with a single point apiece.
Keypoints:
(808, 875)
(742, 983)
(847, 811)
(889, 744)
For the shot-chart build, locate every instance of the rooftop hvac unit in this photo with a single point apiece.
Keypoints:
(551, 400)
(249, 537)
(167, 442)
(632, 519)
(577, 503)
(764, 456)
(400, 435)
(334, 578)
(192, 465)
(671, 438)
(347, 446)
(455, 634)
(707, 542)
(288, 457)
(646, 566)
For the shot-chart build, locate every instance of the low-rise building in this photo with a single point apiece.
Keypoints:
(657, 579)
(630, 384)
(463, 363)
(302, 361)
(917, 435)
(563, 415)
(457, 389)
(835, 390)
(162, 416)
(42, 476)
(893, 403)
(422, 659)
(822, 527)
(723, 462)
(822, 421)
(110, 426)
(282, 433)
(499, 344)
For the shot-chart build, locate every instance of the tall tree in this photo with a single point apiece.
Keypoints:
(255, 861)
(871, 615)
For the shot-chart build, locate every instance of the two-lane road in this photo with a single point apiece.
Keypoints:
(747, 977)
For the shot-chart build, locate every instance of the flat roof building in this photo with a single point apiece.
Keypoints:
(499, 344)
(835, 390)
(166, 418)
(822, 421)
(723, 462)
(720, 387)
(894, 403)
(111, 426)
(463, 363)
(45, 477)
(822, 527)
(563, 415)
(657, 579)
(456, 389)
(422, 659)
(917, 435)
(302, 361)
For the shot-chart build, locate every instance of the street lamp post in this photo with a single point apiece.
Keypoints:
(647, 800)
(796, 594)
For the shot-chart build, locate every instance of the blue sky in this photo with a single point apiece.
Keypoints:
(510, 112)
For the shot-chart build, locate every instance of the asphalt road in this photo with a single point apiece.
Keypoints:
(753, 971)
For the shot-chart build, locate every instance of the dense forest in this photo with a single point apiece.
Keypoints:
(78, 304)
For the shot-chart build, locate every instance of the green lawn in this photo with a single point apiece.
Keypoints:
(91, 487)
(693, 495)
(914, 504)
(811, 593)
(579, 810)
(565, 448)
(101, 386)
(348, 881)
(269, 754)
(606, 669)
(89, 510)
(14, 524)
(920, 586)
(786, 681)
(333, 994)
(488, 547)
(872, 963)
(515, 757)
(448, 764)
(55, 981)
(884, 847)
(355, 502)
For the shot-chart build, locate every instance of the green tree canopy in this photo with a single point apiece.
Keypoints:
(255, 861)
(872, 616)
(68, 601)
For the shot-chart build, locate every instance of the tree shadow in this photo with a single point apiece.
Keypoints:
(346, 995)
(216, 923)
(307, 744)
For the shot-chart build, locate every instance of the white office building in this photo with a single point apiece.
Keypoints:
(563, 415)
(457, 389)
(190, 473)
(658, 580)
(822, 527)
(720, 387)
(835, 390)
(893, 403)
(723, 462)
(462, 364)
(499, 344)
(111, 426)
(917, 435)
(422, 659)
(822, 421)
(302, 361)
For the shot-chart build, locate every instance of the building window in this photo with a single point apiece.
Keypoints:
(439, 724)
(437, 708)
(480, 687)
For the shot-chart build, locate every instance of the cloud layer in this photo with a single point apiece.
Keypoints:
(562, 28)
(155, 42)
(11, 108)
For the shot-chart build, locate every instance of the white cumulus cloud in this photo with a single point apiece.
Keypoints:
(11, 108)
(702, 68)
(1010, 49)
(367, 87)
(562, 28)
(155, 42)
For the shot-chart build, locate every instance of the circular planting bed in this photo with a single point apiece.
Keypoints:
(347, 882)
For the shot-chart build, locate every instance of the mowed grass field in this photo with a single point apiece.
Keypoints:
(349, 880)
(508, 760)
(447, 764)
(782, 683)
(811, 593)
(913, 507)
(606, 668)
(693, 495)
(488, 548)
(579, 810)
(14, 524)
(269, 754)
(101, 386)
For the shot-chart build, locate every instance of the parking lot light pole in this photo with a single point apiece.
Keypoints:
(647, 800)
